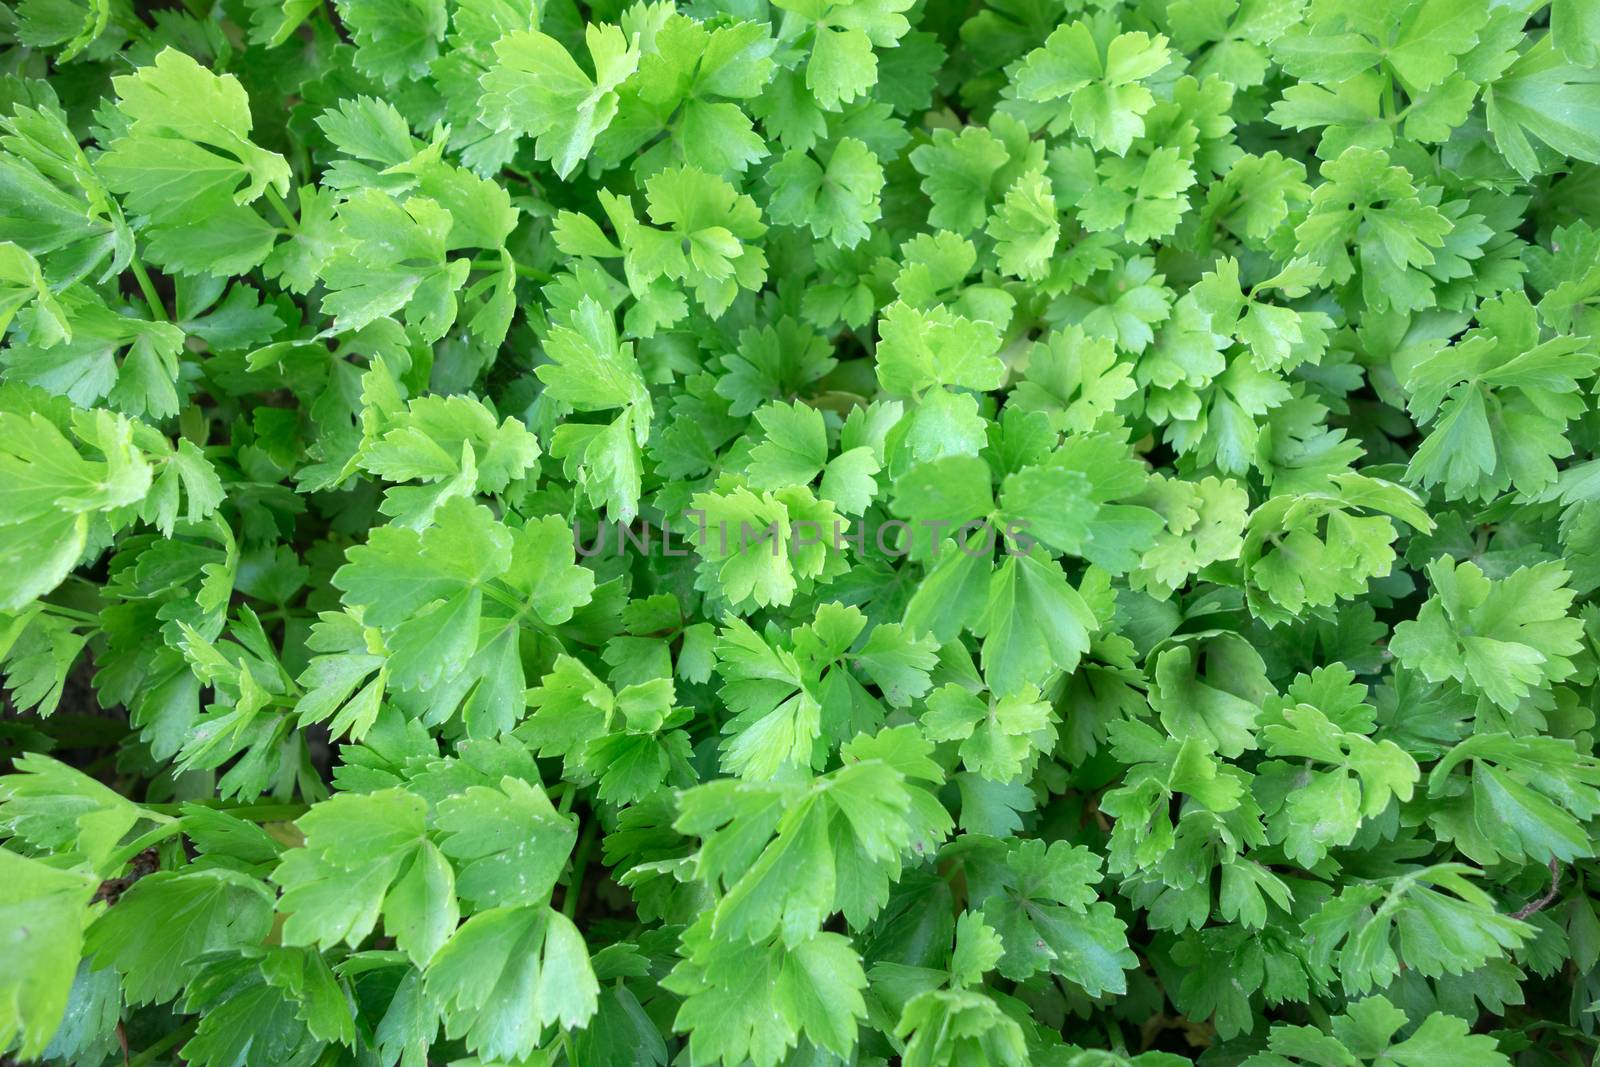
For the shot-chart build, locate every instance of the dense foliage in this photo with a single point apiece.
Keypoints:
(1167, 431)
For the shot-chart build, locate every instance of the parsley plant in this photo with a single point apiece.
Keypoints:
(799, 533)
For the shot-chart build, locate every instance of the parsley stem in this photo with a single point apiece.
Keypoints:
(148, 288)
(252, 812)
(521, 175)
(492, 263)
(71, 613)
(177, 1036)
(167, 829)
(282, 209)
(580, 862)
(1543, 902)
(503, 598)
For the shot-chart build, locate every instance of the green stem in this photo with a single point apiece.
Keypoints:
(282, 209)
(147, 287)
(168, 828)
(493, 263)
(503, 598)
(520, 175)
(252, 812)
(71, 613)
(172, 1040)
(479, 286)
(580, 863)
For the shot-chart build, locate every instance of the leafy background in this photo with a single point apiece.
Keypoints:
(1269, 321)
